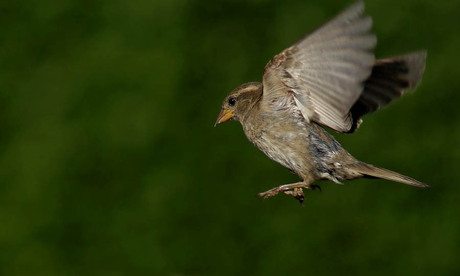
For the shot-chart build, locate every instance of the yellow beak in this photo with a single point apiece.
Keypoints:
(224, 116)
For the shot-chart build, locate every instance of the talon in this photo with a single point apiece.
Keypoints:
(266, 194)
(262, 195)
(300, 198)
(297, 193)
(314, 187)
(295, 190)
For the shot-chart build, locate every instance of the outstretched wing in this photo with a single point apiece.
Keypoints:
(390, 78)
(322, 75)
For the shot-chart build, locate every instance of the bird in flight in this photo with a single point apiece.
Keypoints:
(328, 78)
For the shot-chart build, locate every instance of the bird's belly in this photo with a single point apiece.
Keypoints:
(290, 149)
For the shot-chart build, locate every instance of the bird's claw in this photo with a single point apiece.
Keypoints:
(268, 194)
(314, 187)
(295, 190)
(297, 193)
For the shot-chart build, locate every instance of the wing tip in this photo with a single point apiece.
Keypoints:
(356, 8)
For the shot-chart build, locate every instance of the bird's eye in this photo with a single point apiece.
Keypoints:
(231, 101)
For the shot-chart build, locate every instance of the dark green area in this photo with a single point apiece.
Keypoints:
(110, 164)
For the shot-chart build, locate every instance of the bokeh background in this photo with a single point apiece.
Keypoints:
(110, 164)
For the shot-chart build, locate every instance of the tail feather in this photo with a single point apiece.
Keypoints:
(368, 170)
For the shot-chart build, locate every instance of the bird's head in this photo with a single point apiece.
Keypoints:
(239, 102)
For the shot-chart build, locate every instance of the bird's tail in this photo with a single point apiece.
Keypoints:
(367, 170)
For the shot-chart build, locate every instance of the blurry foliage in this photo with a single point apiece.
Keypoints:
(110, 165)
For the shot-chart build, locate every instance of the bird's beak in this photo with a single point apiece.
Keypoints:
(224, 116)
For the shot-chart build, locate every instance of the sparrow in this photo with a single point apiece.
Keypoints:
(328, 78)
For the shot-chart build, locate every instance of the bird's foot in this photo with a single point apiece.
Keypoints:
(295, 190)
(297, 193)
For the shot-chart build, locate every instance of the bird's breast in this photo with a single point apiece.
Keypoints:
(283, 140)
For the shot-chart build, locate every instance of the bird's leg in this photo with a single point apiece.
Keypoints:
(294, 190)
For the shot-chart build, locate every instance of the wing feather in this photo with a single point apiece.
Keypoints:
(390, 78)
(325, 70)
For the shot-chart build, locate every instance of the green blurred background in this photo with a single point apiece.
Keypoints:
(110, 164)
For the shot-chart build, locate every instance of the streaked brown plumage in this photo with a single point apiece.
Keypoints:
(330, 78)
